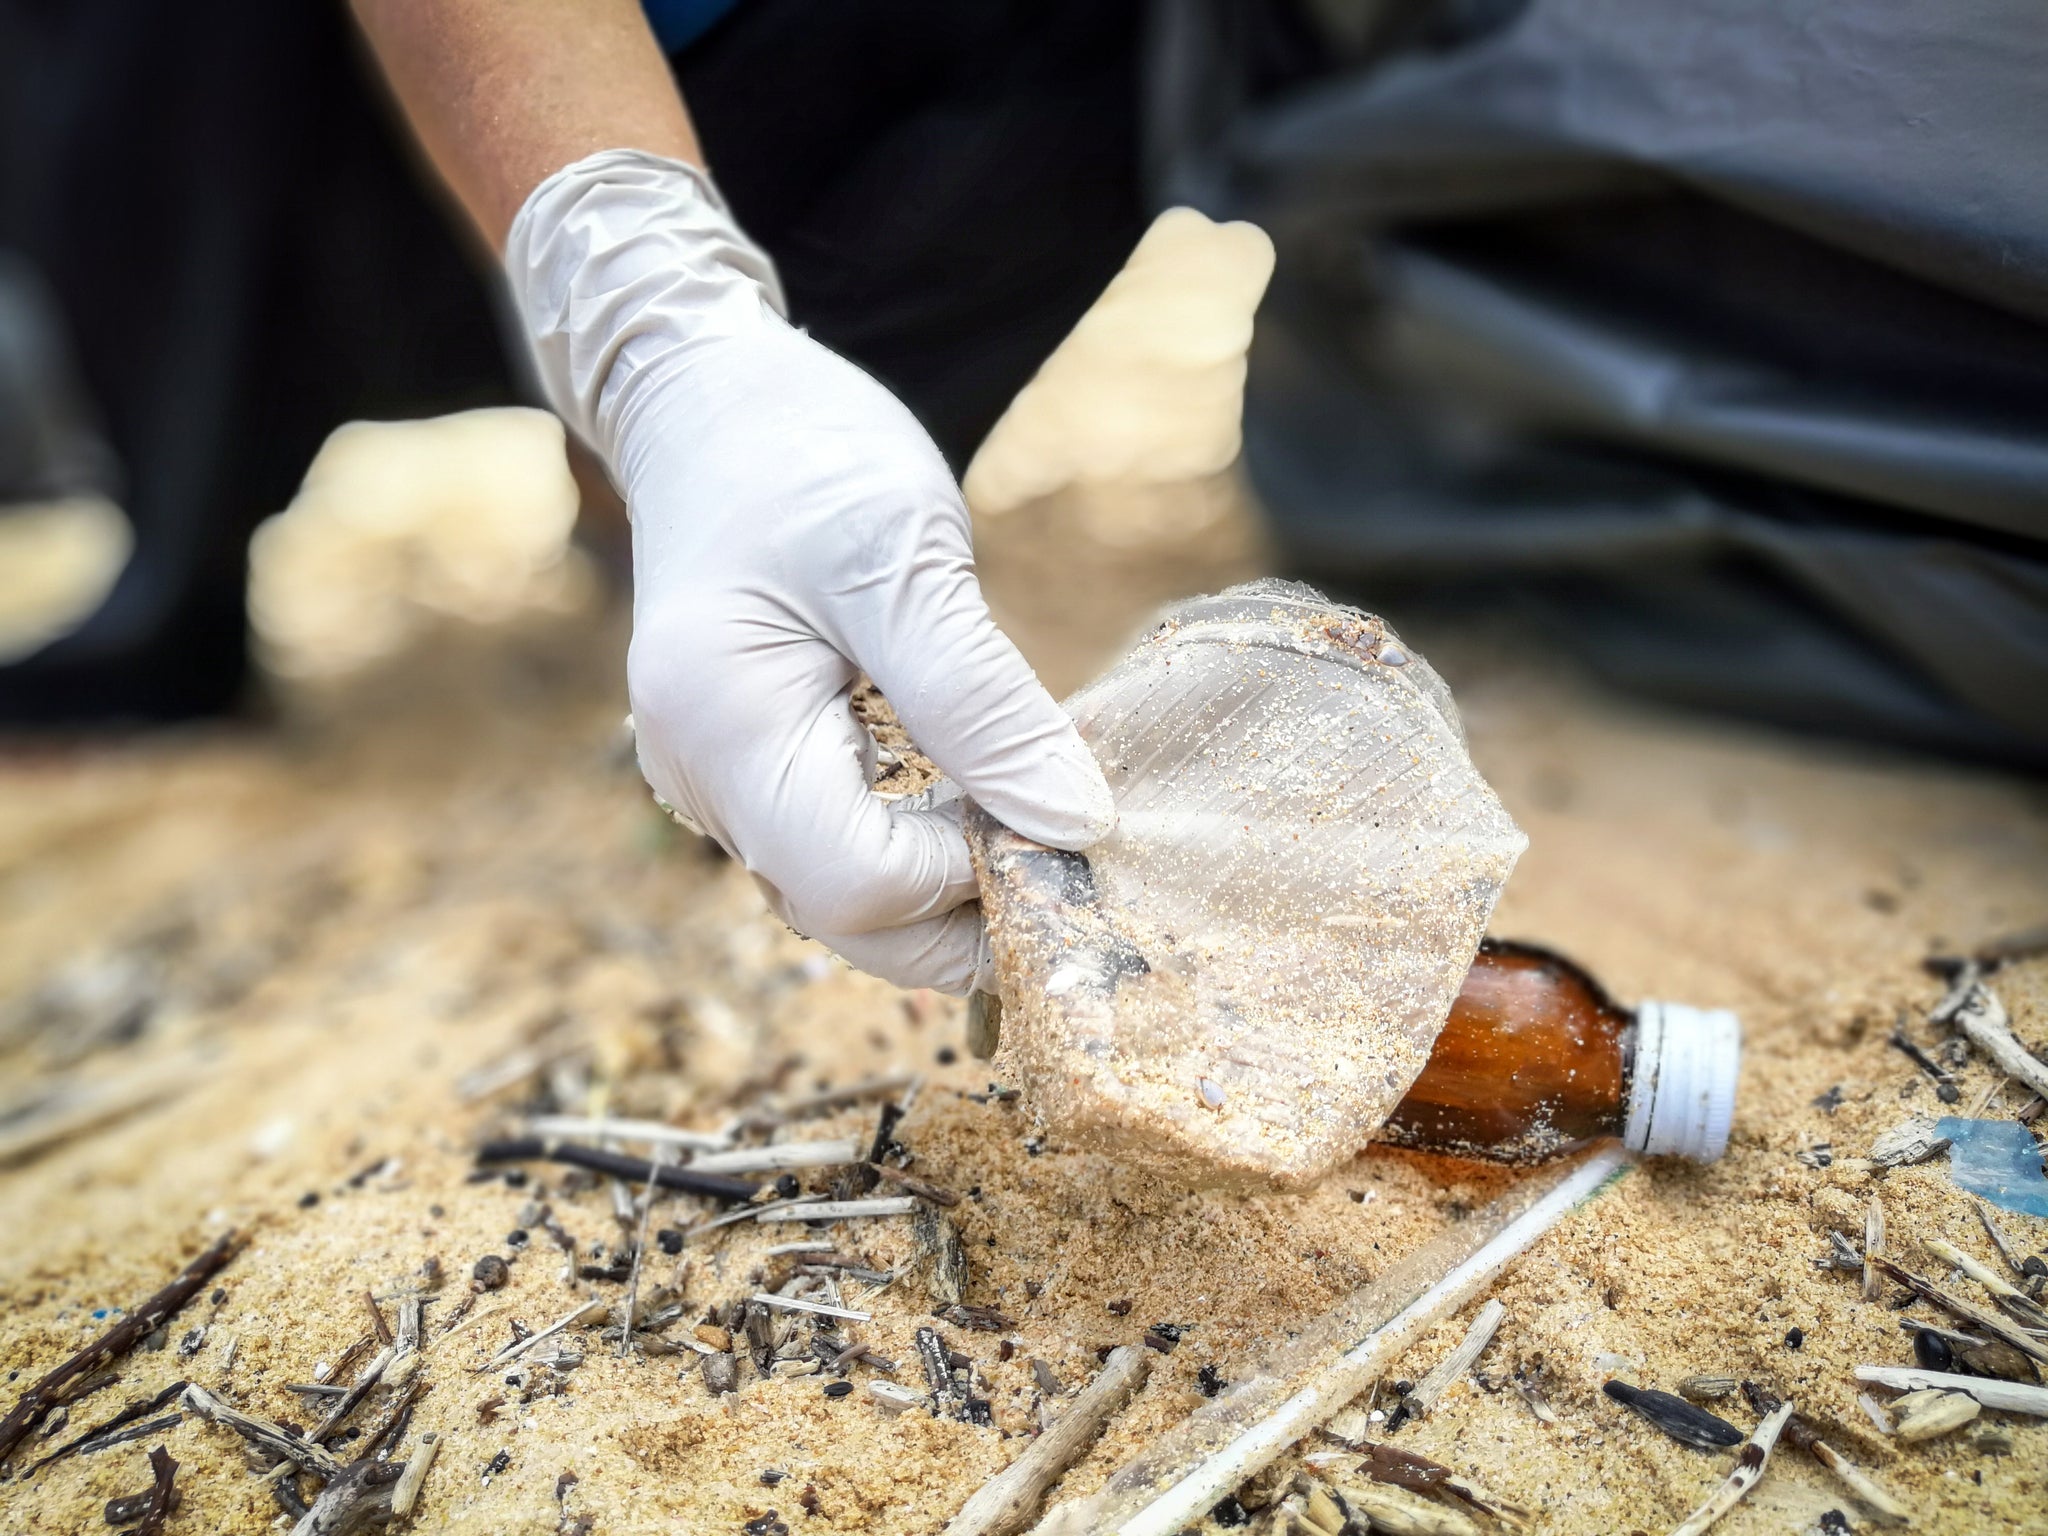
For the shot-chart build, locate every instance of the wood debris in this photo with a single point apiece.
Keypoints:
(1973, 1008)
(1749, 1471)
(841, 1210)
(1970, 1312)
(636, 1170)
(52, 1390)
(1423, 1397)
(1912, 1140)
(273, 1438)
(406, 1493)
(2004, 1396)
(1399, 1512)
(2013, 1301)
(1939, 1414)
(1674, 1416)
(1011, 1499)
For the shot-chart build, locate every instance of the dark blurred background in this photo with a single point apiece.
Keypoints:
(1707, 341)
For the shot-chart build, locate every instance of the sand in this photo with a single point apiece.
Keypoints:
(419, 872)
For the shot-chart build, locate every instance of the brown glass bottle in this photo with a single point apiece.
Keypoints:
(1536, 1060)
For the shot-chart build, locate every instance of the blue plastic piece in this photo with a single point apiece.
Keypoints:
(1998, 1160)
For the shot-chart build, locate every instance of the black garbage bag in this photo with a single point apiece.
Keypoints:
(1713, 334)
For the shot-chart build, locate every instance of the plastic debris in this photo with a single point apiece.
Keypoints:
(1998, 1160)
(1239, 983)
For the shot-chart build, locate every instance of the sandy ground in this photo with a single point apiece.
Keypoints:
(308, 933)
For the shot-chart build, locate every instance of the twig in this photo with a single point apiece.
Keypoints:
(163, 1470)
(351, 1399)
(1998, 1241)
(1873, 1245)
(787, 1154)
(902, 1180)
(377, 1319)
(640, 1255)
(2013, 1301)
(584, 1312)
(272, 1437)
(798, 1304)
(842, 1210)
(1801, 1435)
(2005, 1396)
(407, 1491)
(357, 1498)
(86, 1444)
(36, 1403)
(1970, 1312)
(638, 1170)
(1007, 1502)
(1975, 1009)
(1413, 1296)
(744, 1213)
(1749, 1471)
(653, 1132)
(1457, 1362)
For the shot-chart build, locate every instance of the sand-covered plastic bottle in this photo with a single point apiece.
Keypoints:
(1241, 981)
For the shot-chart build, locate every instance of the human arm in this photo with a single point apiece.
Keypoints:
(793, 525)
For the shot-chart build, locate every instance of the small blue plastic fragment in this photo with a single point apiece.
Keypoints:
(1998, 1160)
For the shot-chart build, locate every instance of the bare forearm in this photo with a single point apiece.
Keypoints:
(503, 93)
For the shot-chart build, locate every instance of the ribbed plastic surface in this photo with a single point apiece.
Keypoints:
(1239, 983)
(1683, 1099)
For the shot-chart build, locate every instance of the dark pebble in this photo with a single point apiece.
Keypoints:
(1794, 1337)
(947, 1055)
(838, 1388)
(787, 1186)
(671, 1240)
(1230, 1513)
(309, 1199)
(220, 1295)
(772, 1476)
(1682, 1421)
(491, 1272)
(436, 1211)
(1119, 1308)
(516, 1177)
(518, 1237)
(1209, 1381)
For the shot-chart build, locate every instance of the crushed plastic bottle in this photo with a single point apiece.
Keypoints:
(1240, 982)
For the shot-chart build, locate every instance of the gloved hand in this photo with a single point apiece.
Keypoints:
(792, 524)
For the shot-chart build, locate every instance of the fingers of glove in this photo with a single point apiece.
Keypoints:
(945, 953)
(971, 701)
(771, 761)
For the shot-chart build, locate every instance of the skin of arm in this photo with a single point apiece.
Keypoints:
(504, 93)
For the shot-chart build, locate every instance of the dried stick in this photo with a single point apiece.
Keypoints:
(584, 1312)
(358, 1498)
(1887, 1509)
(639, 1255)
(1970, 1312)
(1444, 1276)
(2013, 1301)
(902, 1180)
(1982, 1019)
(842, 1210)
(831, 1098)
(350, 1400)
(272, 1437)
(1873, 1244)
(163, 1470)
(2005, 1396)
(1457, 1362)
(407, 1492)
(788, 1154)
(1997, 1237)
(1749, 1471)
(1007, 1502)
(636, 1170)
(142, 1407)
(654, 1132)
(38, 1400)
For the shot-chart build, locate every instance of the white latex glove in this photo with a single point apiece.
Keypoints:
(792, 524)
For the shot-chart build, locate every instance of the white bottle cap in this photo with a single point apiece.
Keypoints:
(1682, 1101)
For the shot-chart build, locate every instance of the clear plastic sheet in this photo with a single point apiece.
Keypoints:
(1240, 982)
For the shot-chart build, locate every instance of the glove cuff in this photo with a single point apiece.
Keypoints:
(617, 262)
